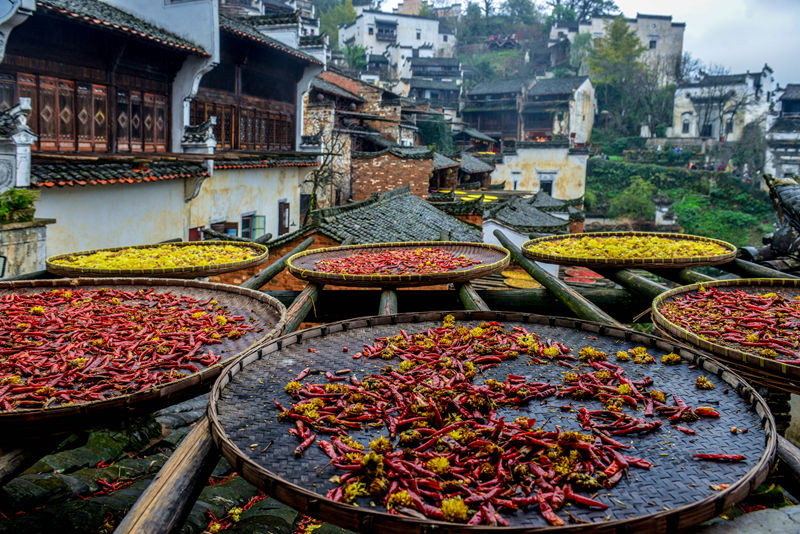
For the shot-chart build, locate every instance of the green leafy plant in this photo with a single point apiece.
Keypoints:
(15, 200)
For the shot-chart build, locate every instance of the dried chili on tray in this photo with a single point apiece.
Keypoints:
(448, 455)
(766, 325)
(68, 346)
(396, 261)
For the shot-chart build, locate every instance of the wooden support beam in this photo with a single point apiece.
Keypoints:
(304, 303)
(573, 300)
(258, 281)
(789, 456)
(163, 506)
(388, 302)
(470, 298)
(635, 282)
(683, 276)
(749, 269)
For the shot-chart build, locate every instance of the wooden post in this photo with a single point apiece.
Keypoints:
(574, 301)
(388, 302)
(753, 270)
(470, 298)
(635, 283)
(299, 309)
(258, 281)
(163, 506)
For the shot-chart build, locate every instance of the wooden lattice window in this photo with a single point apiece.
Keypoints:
(141, 122)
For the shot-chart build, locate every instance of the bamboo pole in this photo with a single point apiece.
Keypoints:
(388, 302)
(163, 506)
(299, 309)
(258, 281)
(470, 298)
(753, 270)
(635, 283)
(683, 276)
(571, 298)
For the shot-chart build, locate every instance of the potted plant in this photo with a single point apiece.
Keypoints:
(16, 205)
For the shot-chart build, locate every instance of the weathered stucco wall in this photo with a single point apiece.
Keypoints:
(23, 245)
(231, 193)
(529, 166)
(114, 215)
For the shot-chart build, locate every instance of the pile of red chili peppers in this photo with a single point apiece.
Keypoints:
(396, 261)
(449, 455)
(78, 345)
(766, 325)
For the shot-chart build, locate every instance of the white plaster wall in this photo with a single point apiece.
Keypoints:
(582, 109)
(114, 215)
(229, 194)
(528, 163)
(406, 32)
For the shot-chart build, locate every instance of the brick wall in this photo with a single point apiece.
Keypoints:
(348, 84)
(473, 218)
(387, 172)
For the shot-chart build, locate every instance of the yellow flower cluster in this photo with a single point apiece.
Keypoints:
(627, 247)
(159, 257)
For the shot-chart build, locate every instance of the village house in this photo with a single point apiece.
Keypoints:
(558, 108)
(471, 140)
(661, 37)
(123, 131)
(783, 136)
(719, 106)
(397, 37)
(492, 107)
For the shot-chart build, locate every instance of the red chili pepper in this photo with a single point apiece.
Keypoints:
(720, 457)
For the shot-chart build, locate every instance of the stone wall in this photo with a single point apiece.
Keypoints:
(386, 172)
(321, 118)
(23, 245)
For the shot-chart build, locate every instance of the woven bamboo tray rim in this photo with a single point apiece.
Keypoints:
(84, 413)
(171, 272)
(756, 364)
(614, 263)
(301, 264)
(363, 519)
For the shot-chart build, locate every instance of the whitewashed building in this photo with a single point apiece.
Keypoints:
(783, 136)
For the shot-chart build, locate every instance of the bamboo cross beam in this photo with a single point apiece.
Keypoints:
(635, 283)
(571, 298)
(683, 276)
(388, 302)
(163, 506)
(470, 298)
(304, 303)
(258, 281)
(753, 270)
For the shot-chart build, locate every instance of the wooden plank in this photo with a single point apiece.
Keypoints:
(753, 270)
(258, 281)
(470, 298)
(635, 282)
(163, 506)
(304, 303)
(571, 298)
(388, 302)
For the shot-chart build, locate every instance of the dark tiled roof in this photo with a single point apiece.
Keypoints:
(108, 17)
(443, 162)
(556, 86)
(243, 29)
(377, 58)
(274, 19)
(520, 214)
(326, 87)
(435, 61)
(472, 165)
(545, 202)
(786, 124)
(312, 40)
(722, 79)
(422, 83)
(792, 92)
(290, 159)
(477, 134)
(404, 152)
(70, 172)
(492, 87)
(396, 216)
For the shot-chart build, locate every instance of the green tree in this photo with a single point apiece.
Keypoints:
(635, 201)
(521, 10)
(436, 134)
(614, 58)
(561, 13)
(356, 57)
(751, 149)
(426, 10)
(579, 51)
(586, 9)
(340, 14)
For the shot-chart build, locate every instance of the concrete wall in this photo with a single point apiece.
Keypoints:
(23, 245)
(114, 215)
(530, 165)
(231, 193)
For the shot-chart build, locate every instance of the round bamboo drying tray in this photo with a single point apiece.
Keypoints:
(175, 272)
(766, 371)
(494, 259)
(613, 263)
(674, 495)
(266, 310)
